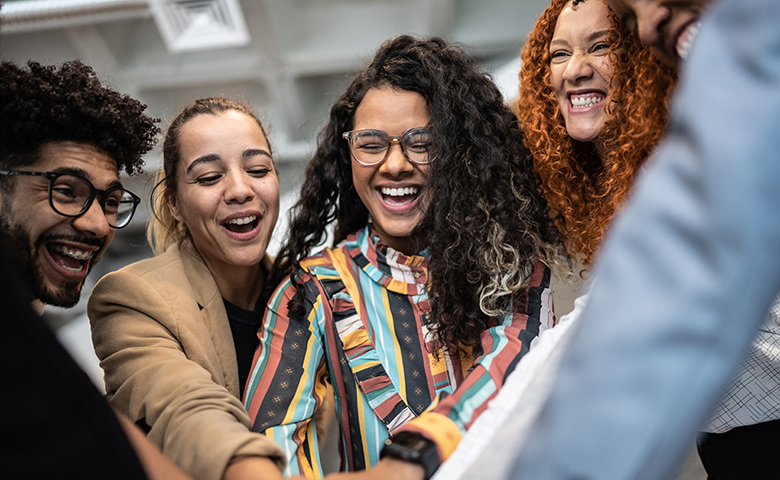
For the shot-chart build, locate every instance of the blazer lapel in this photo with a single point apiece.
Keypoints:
(213, 314)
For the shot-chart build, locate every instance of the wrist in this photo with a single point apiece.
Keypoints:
(413, 448)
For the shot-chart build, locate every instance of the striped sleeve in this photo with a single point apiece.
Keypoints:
(287, 383)
(501, 347)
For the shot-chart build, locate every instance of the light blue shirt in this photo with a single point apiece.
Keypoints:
(686, 276)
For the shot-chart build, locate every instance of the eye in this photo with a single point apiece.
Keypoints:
(600, 47)
(418, 142)
(259, 172)
(112, 202)
(63, 190)
(371, 142)
(207, 180)
(558, 56)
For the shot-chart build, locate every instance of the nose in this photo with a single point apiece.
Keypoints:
(396, 164)
(578, 68)
(651, 18)
(239, 188)
(93, 221)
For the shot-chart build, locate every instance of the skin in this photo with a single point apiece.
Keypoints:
(227, 173)
(659, 24)
(581, 67)
(37, 235)
(393, 111)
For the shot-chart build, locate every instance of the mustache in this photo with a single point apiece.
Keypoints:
(70, 238)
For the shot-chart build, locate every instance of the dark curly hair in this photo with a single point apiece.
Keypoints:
(582, 189)
(43, 104)
(485, 222)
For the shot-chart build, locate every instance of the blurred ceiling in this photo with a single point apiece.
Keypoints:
(289, 58)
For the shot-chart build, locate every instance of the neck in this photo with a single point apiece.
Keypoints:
(241, 286)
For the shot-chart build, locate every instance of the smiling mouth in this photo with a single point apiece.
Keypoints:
(242, 225)
(70, 259)
(400, 196)
(686, 39)
(586, 100)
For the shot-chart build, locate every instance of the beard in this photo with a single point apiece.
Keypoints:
(27, 254)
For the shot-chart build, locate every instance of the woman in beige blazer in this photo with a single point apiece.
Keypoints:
(174, 333)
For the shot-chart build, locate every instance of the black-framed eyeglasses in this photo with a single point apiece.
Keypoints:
(71, 196)
(371, 147)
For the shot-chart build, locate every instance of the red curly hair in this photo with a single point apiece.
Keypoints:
(583, 190)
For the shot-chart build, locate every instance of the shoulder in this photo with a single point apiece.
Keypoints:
(145, 280)
(161, 267)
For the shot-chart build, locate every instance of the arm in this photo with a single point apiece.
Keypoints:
(139, 337)
(287, 384)
(501, 347)
(687, 275)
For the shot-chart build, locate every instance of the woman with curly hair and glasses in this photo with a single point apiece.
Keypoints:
(438, 280)
(593, 104)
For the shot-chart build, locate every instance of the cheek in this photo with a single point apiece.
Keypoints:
(606, 72)
(269, 194)
(195, 208)
(360, 179)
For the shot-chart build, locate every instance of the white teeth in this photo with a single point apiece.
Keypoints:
(243, 221)
(399, 192)
(79, 269)
(582, 101)
(684, 45)
(77, 254)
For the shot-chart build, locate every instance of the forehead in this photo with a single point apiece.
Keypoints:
(583, 19)
(390, 109)
(219, 134)
(80, 158)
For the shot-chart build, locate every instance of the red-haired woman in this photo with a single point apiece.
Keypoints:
(593, 104)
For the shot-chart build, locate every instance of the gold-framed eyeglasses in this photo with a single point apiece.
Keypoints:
(71, 195)
(371, 147)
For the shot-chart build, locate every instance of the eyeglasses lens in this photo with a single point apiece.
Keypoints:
(370, 146)
(72, 195)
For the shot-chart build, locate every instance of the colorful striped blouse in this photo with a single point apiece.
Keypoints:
(377, 354)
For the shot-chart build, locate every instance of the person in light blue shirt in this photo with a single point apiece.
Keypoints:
(690, 267)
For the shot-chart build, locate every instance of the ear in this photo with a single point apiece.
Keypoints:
(170, 199)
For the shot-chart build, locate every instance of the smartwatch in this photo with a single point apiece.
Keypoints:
(413, 448)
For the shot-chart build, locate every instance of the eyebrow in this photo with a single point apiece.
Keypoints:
(80, 172)
(591, 37)
(595, 35)
(253, 152)
(204, 159)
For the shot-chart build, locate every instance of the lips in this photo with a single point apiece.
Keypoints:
(399, 199)
(72, 261)
(242, 226)
(583, 101)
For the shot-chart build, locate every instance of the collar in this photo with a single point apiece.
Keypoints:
(399, 273)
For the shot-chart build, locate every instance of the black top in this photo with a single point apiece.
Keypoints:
(54, 423)
(244, 325)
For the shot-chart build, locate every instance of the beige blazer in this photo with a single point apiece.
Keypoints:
(161, 332)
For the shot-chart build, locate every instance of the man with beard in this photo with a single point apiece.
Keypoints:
(690, 267)
(63, 139)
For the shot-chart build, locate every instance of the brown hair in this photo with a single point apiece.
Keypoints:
(164, 230)
(583, 190)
